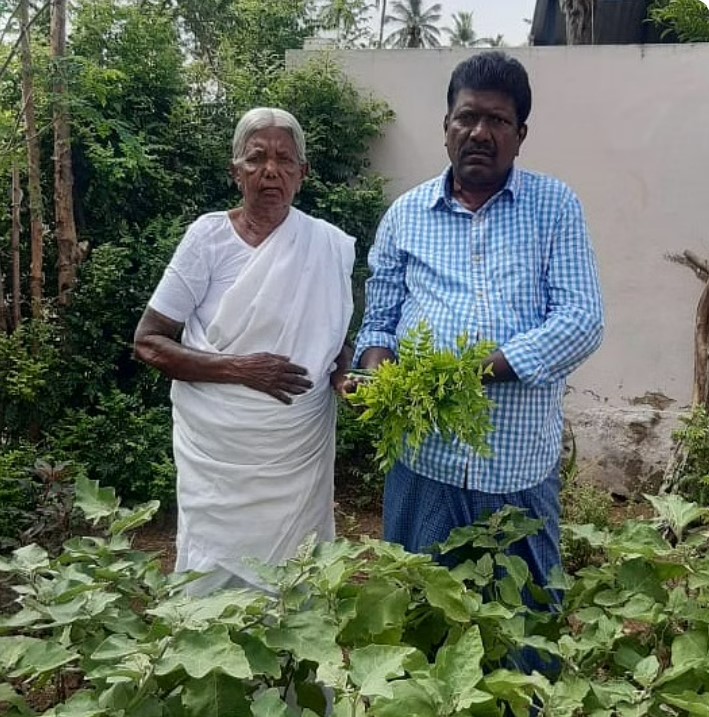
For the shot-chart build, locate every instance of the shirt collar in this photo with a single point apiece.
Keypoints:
(442, 196)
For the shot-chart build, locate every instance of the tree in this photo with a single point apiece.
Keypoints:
(33, 163)
(381, 5)
(462, 33)
(579, 21)
(65, 227)
(687, 19)
(348, 19)
(417, 24)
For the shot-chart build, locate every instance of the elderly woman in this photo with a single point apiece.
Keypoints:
(249, 320)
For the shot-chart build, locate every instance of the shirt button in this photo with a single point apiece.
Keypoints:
(477, 258)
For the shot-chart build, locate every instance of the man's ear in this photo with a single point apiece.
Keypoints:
(445, 130)
(522, 133)
(304, 170)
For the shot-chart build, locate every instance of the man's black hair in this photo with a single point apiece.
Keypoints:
(493, 71)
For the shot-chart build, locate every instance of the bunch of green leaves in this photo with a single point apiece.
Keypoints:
(428, 390)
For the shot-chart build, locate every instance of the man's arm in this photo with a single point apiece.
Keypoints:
(573, 328)
(384, 296)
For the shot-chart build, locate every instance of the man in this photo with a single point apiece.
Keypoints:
(504, 255)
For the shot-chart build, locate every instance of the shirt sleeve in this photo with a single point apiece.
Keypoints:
(186, 278)
(573, 327)
(385, 292)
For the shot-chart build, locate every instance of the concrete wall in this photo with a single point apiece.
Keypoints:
(628, 128)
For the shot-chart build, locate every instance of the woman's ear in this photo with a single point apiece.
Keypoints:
(235, 174)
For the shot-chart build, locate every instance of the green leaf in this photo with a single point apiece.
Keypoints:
(646, 670)
(567, 697)
(373, 666)
(270, 704)
(29, 559)
(215, 695)
(95, 502)
(131, 519)
(411, 697)
(516, 568)
(458, 666)
(198, 654)
(443, 591)
(115, 647)
(309, 636)
(262, 659)
(640, 576)
(42, 657)
(693, 703)
(8, 696)
(692, 645)
(380, 606)
(676, 511)
(610, 693)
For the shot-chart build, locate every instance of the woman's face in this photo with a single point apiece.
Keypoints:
(269, 173)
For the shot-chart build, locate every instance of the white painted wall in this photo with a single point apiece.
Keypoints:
(628, 128)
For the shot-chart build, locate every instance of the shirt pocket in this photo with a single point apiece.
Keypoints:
(517, 278)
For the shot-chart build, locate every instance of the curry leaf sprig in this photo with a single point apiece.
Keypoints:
(428, 390)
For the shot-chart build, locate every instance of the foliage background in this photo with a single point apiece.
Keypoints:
(155, 91)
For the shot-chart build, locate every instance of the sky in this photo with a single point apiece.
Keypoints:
(491, 17)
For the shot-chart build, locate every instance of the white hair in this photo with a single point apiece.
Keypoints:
(261, 118)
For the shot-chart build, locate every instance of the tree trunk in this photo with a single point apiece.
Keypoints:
(579, 15)
(68, 254)
(16, 233)
(4, 313)
(700, 393)
(33, 164)
(382, 20)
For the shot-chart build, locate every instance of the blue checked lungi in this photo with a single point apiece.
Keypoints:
(419, 511)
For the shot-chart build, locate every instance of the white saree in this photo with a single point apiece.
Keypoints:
(255, 476)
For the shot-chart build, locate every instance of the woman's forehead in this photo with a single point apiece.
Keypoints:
(271, 135)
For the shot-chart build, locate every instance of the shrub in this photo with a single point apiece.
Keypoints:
(582, 503)
(17, 492)
(356, 469)
(122, 444)
(691, 470)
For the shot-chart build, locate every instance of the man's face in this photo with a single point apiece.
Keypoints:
(483, 138)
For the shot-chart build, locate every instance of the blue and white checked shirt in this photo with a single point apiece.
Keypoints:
(520, 271)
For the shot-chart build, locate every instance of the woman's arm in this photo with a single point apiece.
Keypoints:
(156, 343)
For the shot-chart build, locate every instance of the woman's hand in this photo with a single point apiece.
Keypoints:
(272, 374)
(156, 344)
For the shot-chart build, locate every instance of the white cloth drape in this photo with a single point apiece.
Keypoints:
(255, 476)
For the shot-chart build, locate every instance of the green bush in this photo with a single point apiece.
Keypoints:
(121, 443)
(691, 471)
(356, 470)
(17, 492)
(582, 503)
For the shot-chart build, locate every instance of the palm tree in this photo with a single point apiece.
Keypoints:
(382, 19)
(462, 34)
(497, 41)
(342, 16)
(417, 24)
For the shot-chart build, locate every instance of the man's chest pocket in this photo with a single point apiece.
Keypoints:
(517, 277)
